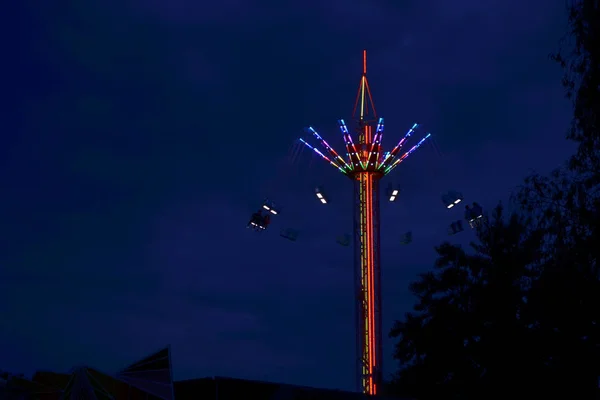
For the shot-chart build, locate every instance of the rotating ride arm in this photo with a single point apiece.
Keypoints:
(373, 157)
(323, 156)
(392, 154)
(334, 154)
(353, 156)
(408, 153)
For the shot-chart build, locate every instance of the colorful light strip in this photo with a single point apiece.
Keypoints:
(408, 153)
(323, 156)
(373, 157)
(396, 149)
(369, 93)
(353, 155)
(330, 149)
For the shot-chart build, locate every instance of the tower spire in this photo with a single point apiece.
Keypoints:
(364, 62)
(364, 108)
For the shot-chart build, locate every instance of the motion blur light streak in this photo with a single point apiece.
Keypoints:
(366, 165)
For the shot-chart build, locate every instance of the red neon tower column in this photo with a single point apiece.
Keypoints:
(365, 165)
(367, 266)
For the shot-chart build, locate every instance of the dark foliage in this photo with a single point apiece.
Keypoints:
(519, 315)
(581, 63)
(470, 325)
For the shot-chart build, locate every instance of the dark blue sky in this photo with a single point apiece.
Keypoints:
(140, 135)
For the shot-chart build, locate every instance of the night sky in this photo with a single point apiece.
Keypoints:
(139, 135)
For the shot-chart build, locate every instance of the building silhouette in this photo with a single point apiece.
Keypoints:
(151, 378)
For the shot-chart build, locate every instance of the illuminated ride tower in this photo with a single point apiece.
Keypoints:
(365, 165)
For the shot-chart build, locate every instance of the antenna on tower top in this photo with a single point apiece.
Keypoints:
(364, 105)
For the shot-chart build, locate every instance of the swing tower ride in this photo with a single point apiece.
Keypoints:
(365, 164)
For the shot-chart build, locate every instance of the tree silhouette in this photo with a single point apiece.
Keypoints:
(521, 314)
(468, 324)
(565, 299)
(581, 64)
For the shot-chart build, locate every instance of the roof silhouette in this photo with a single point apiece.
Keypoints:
(150, 378)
